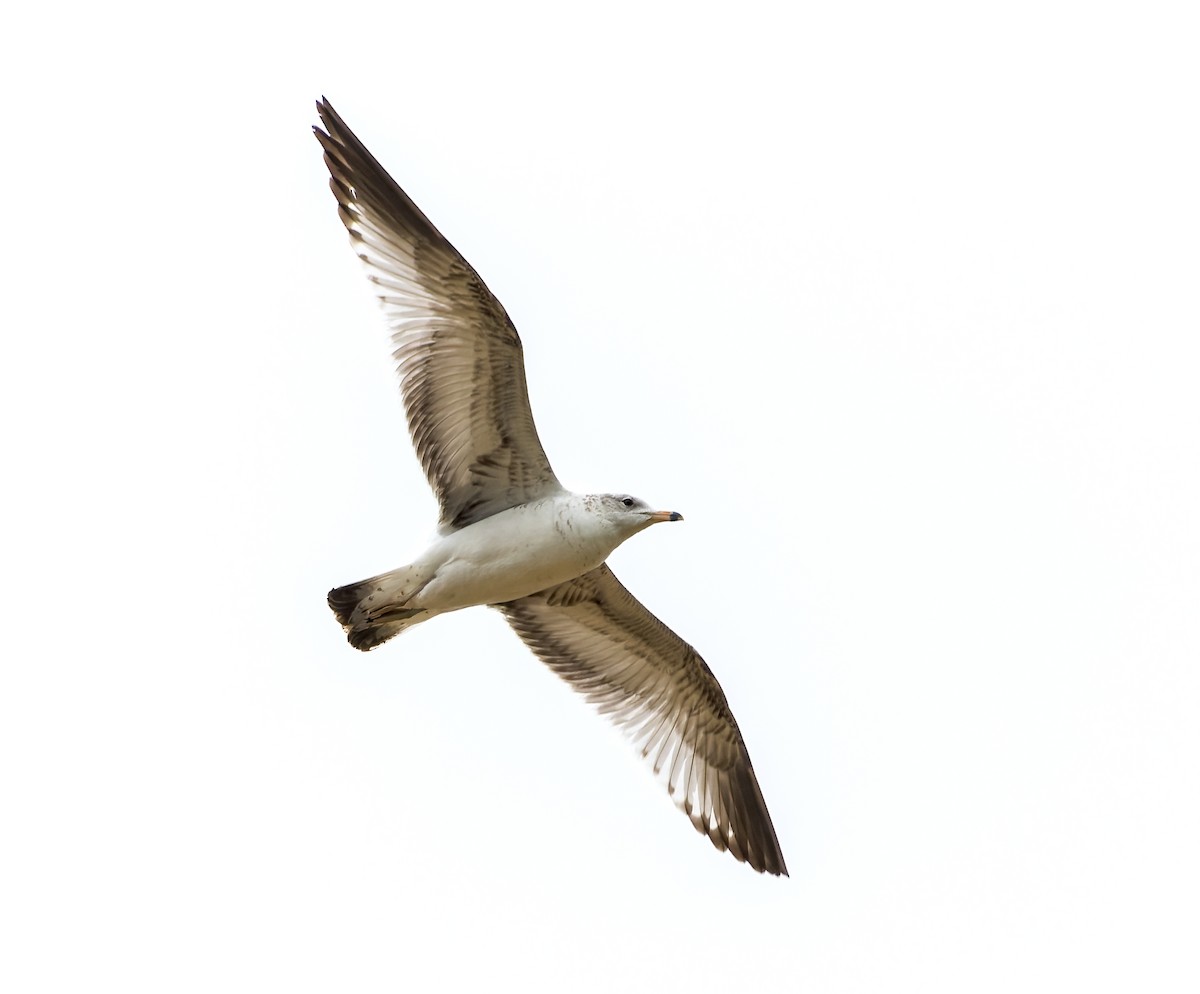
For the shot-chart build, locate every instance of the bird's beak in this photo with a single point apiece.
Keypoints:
(658, 516)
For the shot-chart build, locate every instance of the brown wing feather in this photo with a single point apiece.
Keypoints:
(462, 373)
(599, 638)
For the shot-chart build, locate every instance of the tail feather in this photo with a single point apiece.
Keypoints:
(373, 611)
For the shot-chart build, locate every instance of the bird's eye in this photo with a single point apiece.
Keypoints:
(627, 501)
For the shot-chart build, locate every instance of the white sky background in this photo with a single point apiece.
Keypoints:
(896, 303)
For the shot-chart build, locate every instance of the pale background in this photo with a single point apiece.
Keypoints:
(896, 303)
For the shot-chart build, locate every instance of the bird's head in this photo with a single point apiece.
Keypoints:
(629, 515)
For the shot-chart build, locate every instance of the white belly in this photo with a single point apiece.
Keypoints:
(513, 554)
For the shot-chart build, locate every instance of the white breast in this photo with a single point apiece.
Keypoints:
(516, 553)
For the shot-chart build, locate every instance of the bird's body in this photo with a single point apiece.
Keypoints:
(503, 557)
(517, 552)
(510, 535)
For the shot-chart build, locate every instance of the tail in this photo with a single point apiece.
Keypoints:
(372, 611)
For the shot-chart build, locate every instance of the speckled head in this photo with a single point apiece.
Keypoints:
(629, 514)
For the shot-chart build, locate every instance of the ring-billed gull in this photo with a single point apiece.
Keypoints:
(510, 536)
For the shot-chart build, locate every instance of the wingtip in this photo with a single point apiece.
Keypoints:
(329, 117)
(322, 108)
(772, 865)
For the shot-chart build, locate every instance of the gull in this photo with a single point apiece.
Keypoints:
(510, 536)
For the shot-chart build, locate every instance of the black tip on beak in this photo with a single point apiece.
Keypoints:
(676, 516)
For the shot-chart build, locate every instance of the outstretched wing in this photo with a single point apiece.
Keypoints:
(460, 361)
(599, 638)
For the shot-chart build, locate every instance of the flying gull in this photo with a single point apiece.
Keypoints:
(510, 536)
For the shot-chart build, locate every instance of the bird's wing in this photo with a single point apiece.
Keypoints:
(460, 361)
(599, 638)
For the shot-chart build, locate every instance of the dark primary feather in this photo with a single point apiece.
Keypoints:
(599, 638)
(459, 357)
